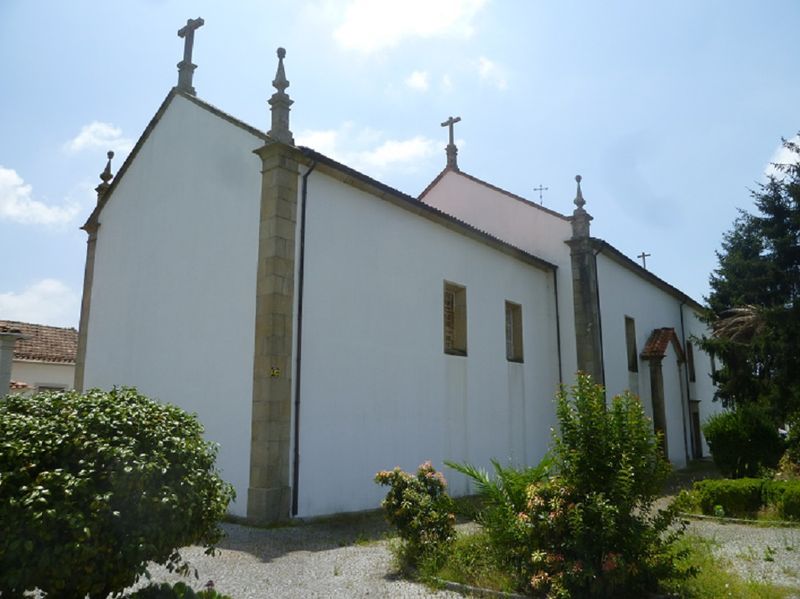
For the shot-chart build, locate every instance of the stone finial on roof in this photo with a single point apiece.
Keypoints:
(580, 218)
(280, 104)
(185, 67)
(451, 149)
(105, 177)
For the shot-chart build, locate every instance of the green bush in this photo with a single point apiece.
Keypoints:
(739, 498)
(592, 529)
(179, 590)
(793, 441)
(94, 486)
(789, 503)
(743, 441)
(589, 529)
(505, 496)
(421, 510)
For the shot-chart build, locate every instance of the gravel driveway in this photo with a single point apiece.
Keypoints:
(349, 557)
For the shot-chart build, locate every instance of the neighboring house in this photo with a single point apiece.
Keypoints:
(325, 326)
(43, 357)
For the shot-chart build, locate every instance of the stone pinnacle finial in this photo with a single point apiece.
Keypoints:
(451, 149)
(580, 218)
(280, 104)
(105, 177)
(185, 67)
(579, 201)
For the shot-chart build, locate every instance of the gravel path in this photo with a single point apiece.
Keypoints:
(349, 557)
(341, 559)
(754, 552)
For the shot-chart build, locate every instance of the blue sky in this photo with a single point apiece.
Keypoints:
(671, 111)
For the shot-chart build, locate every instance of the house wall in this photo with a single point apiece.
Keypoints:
(377, 388)
(48, 374)
(703, 388)
(522, 224)
(173, 299)
(623, 293)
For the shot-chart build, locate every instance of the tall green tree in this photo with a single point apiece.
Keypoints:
(755, 297)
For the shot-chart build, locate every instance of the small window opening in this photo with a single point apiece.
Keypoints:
(455, 319)
(630, 342)
(514, 332)
(690, 361)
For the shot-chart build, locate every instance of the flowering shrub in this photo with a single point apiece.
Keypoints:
(591, 530)
(419, 507)
(95, 486)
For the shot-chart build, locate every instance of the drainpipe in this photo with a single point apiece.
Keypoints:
(558, 329)
(600, 321)
(298, 356)
(686, 381)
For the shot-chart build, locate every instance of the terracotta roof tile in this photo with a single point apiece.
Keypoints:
(656, 346)
(19, 386)
(44, 343)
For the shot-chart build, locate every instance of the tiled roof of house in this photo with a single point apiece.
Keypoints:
(43, 343)
(19, 386)
(656, 346)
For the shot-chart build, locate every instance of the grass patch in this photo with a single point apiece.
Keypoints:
(713, 579)
(471, 560)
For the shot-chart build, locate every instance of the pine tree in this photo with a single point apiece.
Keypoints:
(755, 298)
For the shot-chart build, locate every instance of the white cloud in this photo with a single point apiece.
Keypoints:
(418, 80)
(47, 302)
(447, 83)
(17, 203)
(782, 155)
(369, 150)
(492, 73)
(371, 25)
(99, 136)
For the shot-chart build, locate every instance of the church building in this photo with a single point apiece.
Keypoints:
(325, 326)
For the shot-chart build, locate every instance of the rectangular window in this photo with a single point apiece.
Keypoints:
(690, 361)
(455, 319)
(630, 343)
(513, 332)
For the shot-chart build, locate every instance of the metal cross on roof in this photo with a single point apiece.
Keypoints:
(644, 258)
(185, 67)
(540, 189)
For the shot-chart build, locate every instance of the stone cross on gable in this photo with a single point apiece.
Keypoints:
(185, 67)
(452, 150)
(644, 258)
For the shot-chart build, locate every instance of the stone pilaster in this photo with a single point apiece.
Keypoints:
(8, 338)
(269, 494)
(86, 302)
(585, 293)
(657, 398)
(90, 227)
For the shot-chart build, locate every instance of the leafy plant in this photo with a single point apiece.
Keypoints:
(95, 486)
(505, 496)
(179, 590)
(743, 441)
(734, 498)
(421, 510)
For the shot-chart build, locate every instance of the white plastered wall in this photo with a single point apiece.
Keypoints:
(522, 224)
(624, 293)
(47, 374)
(173, 299)
(377, 388)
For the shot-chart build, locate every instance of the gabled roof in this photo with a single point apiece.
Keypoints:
(656, 346)
(43, 343)
(92, 221)
(609, 250)
(347, 174)
(513, 196)
(352, 176)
